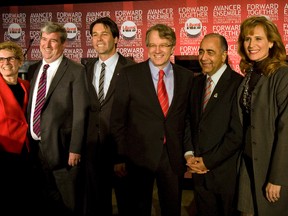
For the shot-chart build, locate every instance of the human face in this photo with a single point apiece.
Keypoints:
(159, 50)
(51, 46)
(103, 41)
(256, 44)
(9, 69)
(211, 56)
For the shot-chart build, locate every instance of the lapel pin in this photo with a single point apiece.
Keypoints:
(215, 95)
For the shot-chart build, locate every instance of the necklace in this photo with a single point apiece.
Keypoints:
(246, 94)
(252, 79)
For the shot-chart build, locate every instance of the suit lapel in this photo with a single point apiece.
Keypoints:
(90, 68)
(121, 63)
(145, 75)
(60, 72)
(198, 91)
(177, 87)
(219, 90)
(35, 68)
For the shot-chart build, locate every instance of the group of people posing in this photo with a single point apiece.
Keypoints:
(72, 132)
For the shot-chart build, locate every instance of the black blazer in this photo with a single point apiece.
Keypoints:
(138, 124)
(63, 117)
(208, 130)
(99, 117)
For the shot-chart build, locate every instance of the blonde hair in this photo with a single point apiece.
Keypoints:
(14, 47)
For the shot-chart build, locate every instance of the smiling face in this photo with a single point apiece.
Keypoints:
(159, 50)
(51, 46)
(211, 56)
(103, 41)
(256, 44)
(9, 69)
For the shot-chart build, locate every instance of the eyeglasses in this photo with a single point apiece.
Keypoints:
(160, 46)
(9, 59)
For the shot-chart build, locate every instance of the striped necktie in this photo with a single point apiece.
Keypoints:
(162, 93)
(207, 92)
(101, 84)
(40, 99)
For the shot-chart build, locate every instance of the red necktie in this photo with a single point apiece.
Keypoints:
(162, 93)
(208, 91)
(40, 99)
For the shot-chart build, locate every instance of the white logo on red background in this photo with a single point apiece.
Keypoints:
(14, 31)
(193, 26)
(128, 29)
(71, 30)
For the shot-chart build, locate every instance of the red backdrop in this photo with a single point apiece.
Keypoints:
(191, 19)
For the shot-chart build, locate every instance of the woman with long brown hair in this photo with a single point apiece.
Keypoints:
(263, 105)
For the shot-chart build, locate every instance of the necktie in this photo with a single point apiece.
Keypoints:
(40, 99)
(208, 91)
(101, 84)
(162, 93)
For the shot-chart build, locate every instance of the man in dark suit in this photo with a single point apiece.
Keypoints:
(210, 119)
(150, 140)
(100, 152)
(58, 142)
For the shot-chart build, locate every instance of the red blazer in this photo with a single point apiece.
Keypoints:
(13, 124)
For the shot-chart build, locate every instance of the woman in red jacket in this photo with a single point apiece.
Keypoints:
(14, 148)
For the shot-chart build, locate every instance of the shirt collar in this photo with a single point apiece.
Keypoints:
(155, 70)
(215, 77)
(54, 63)
(110, 61)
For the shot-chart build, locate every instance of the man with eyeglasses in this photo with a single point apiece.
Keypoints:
(149, 137)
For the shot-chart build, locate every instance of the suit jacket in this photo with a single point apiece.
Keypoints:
(269, 114)
(99, 117)
(138, 124)
(208, 129)
(63, 116)
(13, 124)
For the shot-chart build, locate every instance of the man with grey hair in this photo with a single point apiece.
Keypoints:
(211, 106)
(57, 112)
(148, 122)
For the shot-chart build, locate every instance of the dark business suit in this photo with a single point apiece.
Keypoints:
(138, 126)
(100, 152)
(208, 130)
(63, 128)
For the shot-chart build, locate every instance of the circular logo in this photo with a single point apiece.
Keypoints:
(129, 29)
(71, 30)
(193, 26)
(14, 31)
